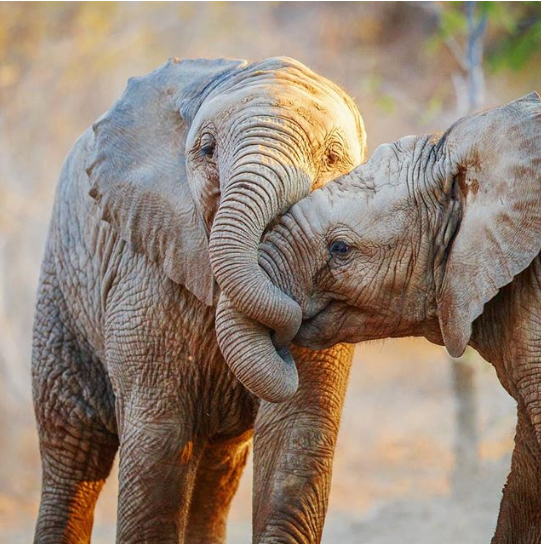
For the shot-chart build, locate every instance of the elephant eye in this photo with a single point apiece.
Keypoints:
(208, 147)
(339, 247)
(332, 158)
(334, 153)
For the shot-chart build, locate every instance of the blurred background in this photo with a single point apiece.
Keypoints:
(425, 441)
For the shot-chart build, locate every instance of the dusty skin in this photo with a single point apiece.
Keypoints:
(435, 236)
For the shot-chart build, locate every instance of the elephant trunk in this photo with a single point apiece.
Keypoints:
(260, 188)
(257, 192)
(269, 373)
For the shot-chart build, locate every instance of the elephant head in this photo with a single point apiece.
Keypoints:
(417, 240)
(198, 157)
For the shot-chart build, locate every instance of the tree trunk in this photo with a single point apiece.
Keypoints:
(470, 96)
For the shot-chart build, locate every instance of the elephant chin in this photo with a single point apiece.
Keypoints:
(268, 372)
(334, 323)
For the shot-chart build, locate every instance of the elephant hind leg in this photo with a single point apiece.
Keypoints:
(217, 480)
(74, 471)
(519, 520)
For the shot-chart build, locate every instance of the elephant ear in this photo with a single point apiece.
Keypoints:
(494, 161)
(138, 174)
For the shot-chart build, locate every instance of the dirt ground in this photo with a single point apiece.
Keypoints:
(392, 468)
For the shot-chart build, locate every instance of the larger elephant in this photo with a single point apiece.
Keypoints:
(188, 167)
(436, 236)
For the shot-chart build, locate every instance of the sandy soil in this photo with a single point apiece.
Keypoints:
(392, 469)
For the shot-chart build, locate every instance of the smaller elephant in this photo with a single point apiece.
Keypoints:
(435, 236)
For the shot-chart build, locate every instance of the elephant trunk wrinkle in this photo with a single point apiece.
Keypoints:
(263, 183)
(246, 346)
(267, 189)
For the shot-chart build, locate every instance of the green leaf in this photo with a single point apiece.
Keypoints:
(515, 51)
(453, 20)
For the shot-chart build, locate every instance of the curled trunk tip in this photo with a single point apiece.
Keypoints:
(247, 347)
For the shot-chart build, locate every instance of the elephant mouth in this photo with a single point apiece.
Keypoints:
(324, 328)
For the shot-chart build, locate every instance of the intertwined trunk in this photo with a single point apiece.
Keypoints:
(253, 315)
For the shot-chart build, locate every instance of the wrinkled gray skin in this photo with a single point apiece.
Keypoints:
(196, 154)
(437, 237)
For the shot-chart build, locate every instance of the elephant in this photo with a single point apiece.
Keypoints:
(160, 206)
(436, 236)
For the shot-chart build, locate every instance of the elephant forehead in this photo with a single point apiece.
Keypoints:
(391, 203)
(382, 215)
(282, 97)
(322, 119)
(251, 101)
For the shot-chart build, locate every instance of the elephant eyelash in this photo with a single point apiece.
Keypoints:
(332, 159)
(339, 248)
(208, 150)
(334, 152)
(207, 146)
(340, 251)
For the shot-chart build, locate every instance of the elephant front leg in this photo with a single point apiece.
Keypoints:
(75, 419)
(158, 463)
(519, 521)
(294, 446)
